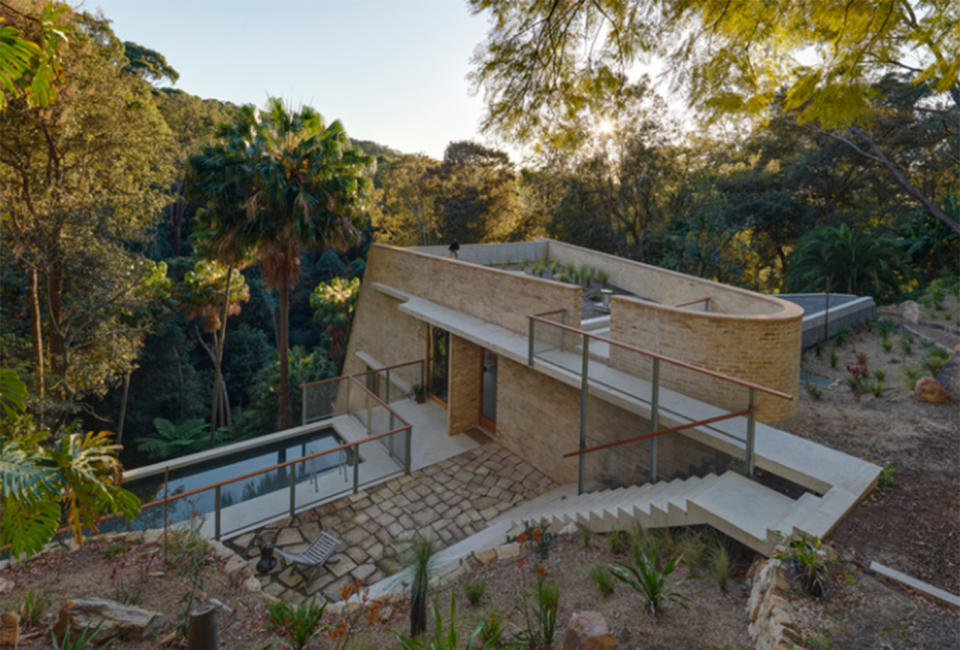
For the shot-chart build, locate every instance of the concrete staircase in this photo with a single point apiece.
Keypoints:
(734, 505)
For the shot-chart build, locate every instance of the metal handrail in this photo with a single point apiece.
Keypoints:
(693, 302)
(661, 432)
(358, 374)
(670, 360)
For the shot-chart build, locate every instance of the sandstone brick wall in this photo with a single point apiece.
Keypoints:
(466, 389)
(538, 419)
(491, 294)
(763, 349)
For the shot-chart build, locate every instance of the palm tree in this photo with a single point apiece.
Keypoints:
(857, 261)
(276, 183)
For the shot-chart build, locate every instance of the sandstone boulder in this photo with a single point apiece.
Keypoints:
(115, 620)
(929, 390)
(588, 631)
(910, 310)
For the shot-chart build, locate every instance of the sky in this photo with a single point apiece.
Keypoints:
(392, 71)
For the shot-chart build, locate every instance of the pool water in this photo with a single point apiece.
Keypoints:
(220, 469)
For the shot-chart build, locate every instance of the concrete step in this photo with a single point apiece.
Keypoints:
(740, 508)
(785, 526)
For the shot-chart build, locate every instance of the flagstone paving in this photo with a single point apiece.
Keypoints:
(445, 502)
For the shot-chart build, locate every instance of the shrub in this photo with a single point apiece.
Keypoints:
(886, 479)
(886, 326)
(887, 344)
(644, 576)
(33, 606)
(906, 345)
(694, 551)
(720, 564)
(814, 391)
(541, 632)
(841, 337)
(537, 538)
(299, 623)
(491, 629)
(617, 542)
(603, 277)
(603, 578)
(876, 389)
(586, 535)
(880, 375)
(808, 559)
(833, 357)
(423, 551)
(474, 591)
(443, 640)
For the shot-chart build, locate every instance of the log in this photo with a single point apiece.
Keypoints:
(202, 630)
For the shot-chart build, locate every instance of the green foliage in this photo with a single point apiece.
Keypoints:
(720, 564)
(79, 472)
(586, 535)
(807, 556)
(147, 64)
(538, 538)
(604, 579)
(422, 553)
(887, 478)
(541, 628)
(834, 358)
(278, 182)
(693, 550)
(118, 548)
(449, 639)
(813, 390)
(299, 623)
(618, 541)
(78, 642)
(173, 440)
(491, 629)
(885, 326)
(646, 577)
(906, 344)
(30, 58)
(474, 590)
(33, 606)
(854, 260)
(13, 394)
(334, 302)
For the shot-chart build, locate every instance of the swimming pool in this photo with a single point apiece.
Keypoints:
(222, 468)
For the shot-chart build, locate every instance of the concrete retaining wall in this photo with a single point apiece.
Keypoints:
(846, 310)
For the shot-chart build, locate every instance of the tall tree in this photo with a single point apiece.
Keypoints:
(277, 182)
(79, 181)
(547, 60)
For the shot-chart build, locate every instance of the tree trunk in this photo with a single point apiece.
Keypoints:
(58, 347)
(283, 386)
(123, 406)
(202, 629)
(36, 335)
(215, 394)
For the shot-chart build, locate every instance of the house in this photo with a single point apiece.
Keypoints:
(504, 349)
(646, 393)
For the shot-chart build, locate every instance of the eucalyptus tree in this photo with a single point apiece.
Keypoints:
(275, 183)
(80, 184)
(547, 60)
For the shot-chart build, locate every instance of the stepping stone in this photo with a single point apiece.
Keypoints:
(288, 537)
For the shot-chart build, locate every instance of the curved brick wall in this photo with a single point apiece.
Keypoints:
(762, 348)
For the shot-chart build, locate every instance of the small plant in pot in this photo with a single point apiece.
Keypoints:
(420, 393)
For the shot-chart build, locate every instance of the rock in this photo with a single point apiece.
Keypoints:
(508, 551)
(588, 631)
(115, 620)
(252, 585)
(9, 629)
(153, 536)
(486, 557)
(929, 389)
(6, 585)
(288, 537)
(235, 564)
(910, 310)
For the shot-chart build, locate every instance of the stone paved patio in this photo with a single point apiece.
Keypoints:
(445, 502)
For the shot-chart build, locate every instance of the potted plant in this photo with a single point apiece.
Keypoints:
(420, 393)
